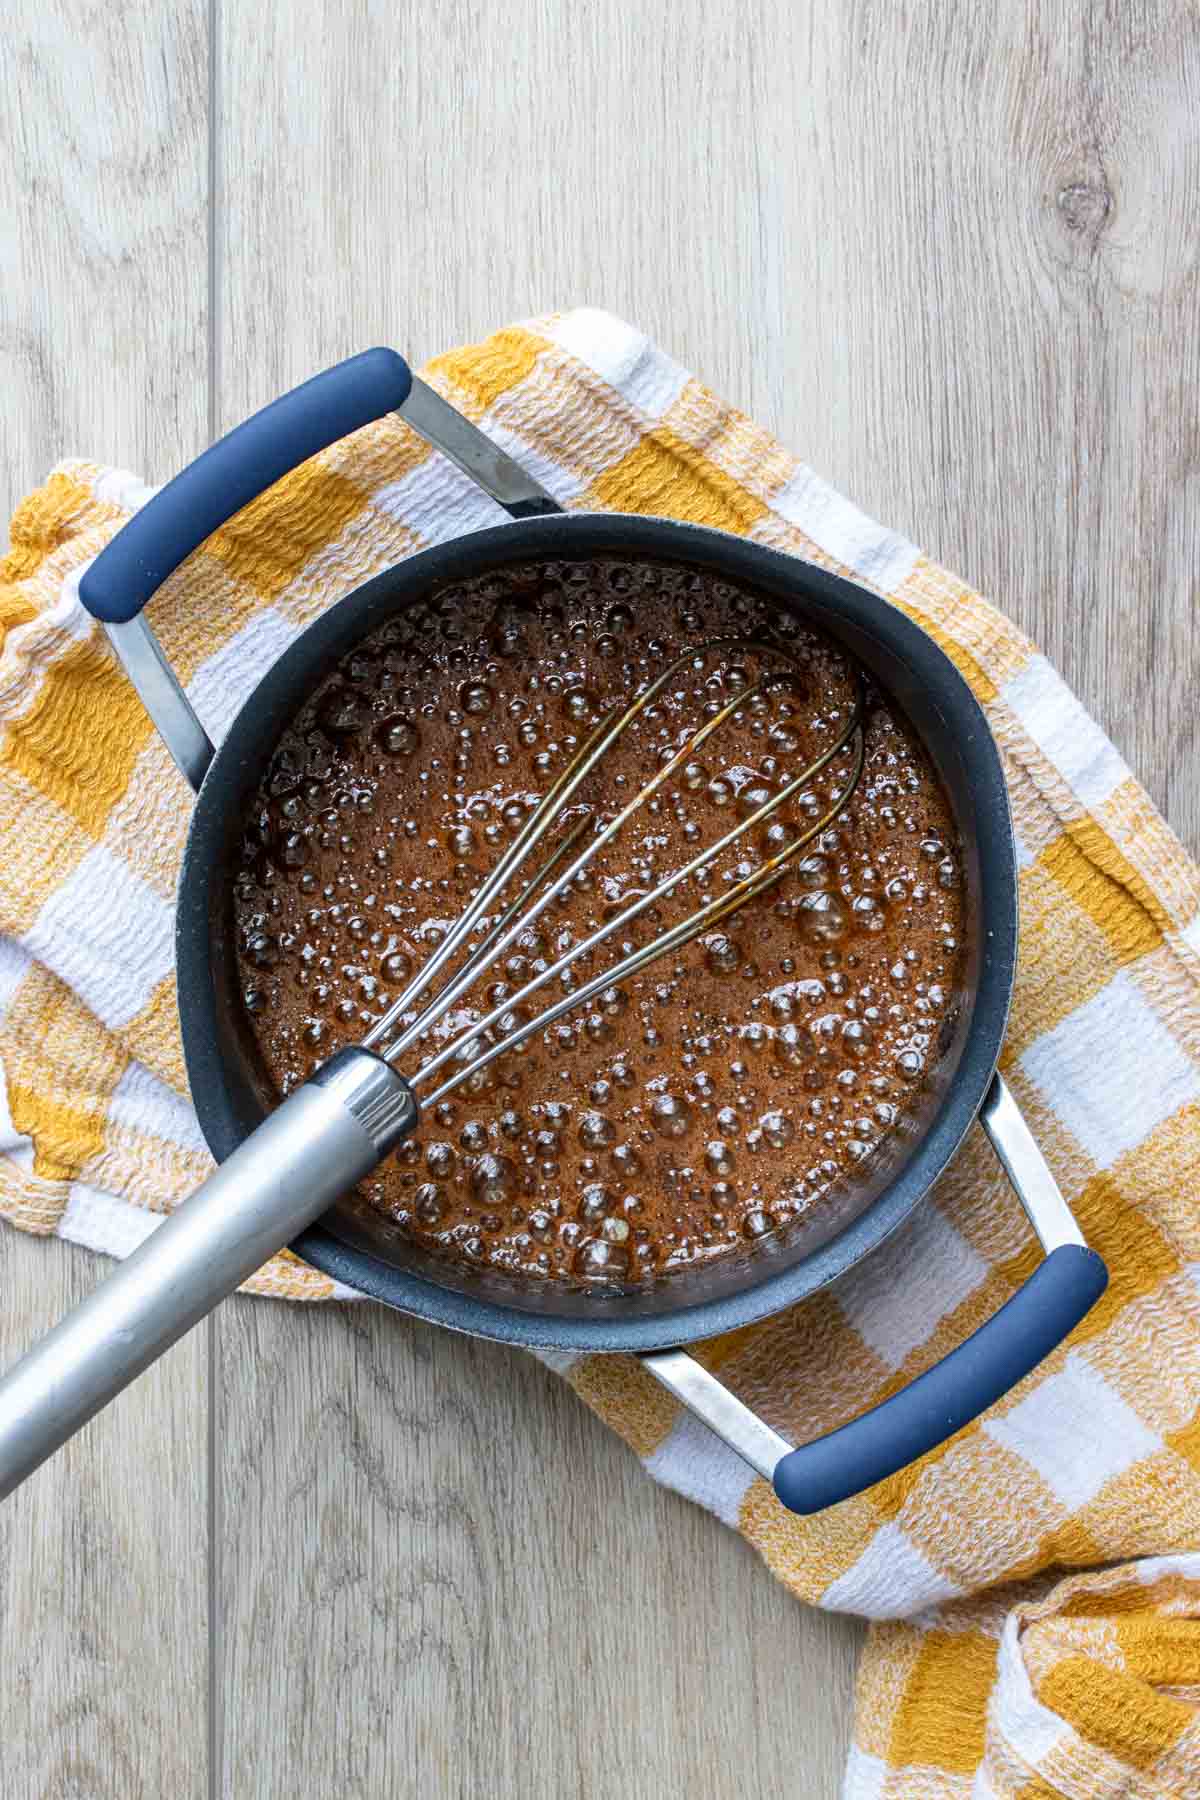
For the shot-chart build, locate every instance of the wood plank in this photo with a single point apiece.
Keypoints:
(103, 320)
(103, 1570)
(104, 258)
(991, 285)
(442, 1576)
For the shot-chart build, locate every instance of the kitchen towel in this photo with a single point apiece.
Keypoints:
(990, 1671)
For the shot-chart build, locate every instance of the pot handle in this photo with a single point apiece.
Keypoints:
(234, 471)
(879, 1443)
(1059, 1293)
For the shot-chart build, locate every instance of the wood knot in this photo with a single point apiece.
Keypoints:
(1084, 206)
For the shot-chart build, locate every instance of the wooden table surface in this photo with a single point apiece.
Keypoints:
(949, 253)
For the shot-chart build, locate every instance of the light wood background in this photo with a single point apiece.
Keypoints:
(949, 253)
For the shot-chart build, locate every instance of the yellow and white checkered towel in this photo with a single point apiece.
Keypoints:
(989, 1672)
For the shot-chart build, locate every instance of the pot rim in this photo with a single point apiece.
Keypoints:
(571, 536)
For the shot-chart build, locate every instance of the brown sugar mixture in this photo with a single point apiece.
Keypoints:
(727, 1088)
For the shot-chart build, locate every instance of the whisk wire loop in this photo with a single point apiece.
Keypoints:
(469, 1048)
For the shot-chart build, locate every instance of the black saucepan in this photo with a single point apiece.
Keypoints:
(358, 1246)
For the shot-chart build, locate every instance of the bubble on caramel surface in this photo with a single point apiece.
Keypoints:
(719, 1095)
(397, 735)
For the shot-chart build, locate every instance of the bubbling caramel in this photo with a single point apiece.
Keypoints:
(726, 1090)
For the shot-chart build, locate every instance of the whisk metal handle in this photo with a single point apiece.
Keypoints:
(328, 1134)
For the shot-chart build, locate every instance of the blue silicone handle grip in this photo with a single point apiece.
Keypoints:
(233, 472)
(1060, 1292)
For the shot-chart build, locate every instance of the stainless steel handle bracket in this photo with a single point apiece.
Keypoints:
(161, 693)
(1035, 1187)
(1027, 1169)
(471, 450)
(711, 1401)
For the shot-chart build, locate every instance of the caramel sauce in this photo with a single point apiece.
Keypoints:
(725, 1090)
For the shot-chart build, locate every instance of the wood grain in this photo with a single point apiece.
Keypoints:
(103, 1571)
(991, 339)
(949, 253)
(103, 248)
(103, 323)
(442, 1576)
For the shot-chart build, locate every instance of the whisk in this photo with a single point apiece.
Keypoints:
(357, 1107)
(475, 1047)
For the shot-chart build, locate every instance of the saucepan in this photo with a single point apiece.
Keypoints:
(197, 1256)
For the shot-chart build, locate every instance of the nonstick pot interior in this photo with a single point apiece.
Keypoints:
(360, 1247)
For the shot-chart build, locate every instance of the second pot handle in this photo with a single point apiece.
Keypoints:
(1060, 1292)
(930, 1409)
(234, 471)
